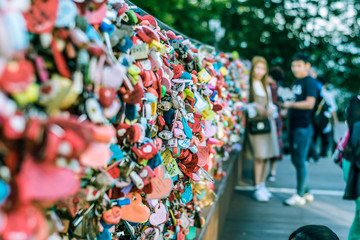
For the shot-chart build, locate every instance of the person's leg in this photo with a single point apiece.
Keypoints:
(272, 174)
(354, 233)
(313, 149)
(259, 193)
(258, 166)
(264, 171)
(301, 140)
(325, 144)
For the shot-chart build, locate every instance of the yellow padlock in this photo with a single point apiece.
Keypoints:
(224, 71)
(53, 93)
(188, 93)
(230, 123)
(208, 114)
(204, 76)
(30, 95)
(153, 108)
(220, 132)
(158, 46)
(74, 90)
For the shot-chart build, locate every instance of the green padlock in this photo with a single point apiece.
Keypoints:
(132, 18)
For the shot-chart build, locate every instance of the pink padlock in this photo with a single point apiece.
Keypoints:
(178, 124)
(179, 133)
(146, 174)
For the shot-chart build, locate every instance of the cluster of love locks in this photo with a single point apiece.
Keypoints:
(110, 127)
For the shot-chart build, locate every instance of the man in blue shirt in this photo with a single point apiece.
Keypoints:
(301, 130)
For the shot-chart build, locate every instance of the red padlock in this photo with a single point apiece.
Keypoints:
(183, 154)
(34, 130)
(112, 216)
(122, 130)
(146, 174)
(14, 126)
(147, 78)
(106, 96)
(146, 151)
(161, 123)
(191, 101)
(148, 188)
(178, 70)
(132, 97)
(72, 145)
(134, 133)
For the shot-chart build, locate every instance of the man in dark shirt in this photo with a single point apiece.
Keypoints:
(301, 130)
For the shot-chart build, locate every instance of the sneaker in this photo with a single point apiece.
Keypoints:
(295, 200)
(271, 178)
(266, 191)
(260, 195)
(308, 197)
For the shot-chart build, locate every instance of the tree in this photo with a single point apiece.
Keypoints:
(328, 30)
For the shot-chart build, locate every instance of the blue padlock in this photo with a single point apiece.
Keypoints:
(105, 234)
(212, 97)
(4, 191)
(169, 116)
(151, 98)
(155, 161)
(93, 35)
(187, 195)
(107, 26)
(131, 112)
(185, 75)
(66, 14)
(127, 189)
(125, 44)
(187, 129)
(122, 202)
(117, 153)
(16, 27)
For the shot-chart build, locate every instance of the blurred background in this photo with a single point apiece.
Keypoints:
(328, 30)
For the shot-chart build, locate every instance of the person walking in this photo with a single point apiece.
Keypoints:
(261, 129)
(327, 135)
(300, 129)
(313, 153)
(352, 189)
(275, 76)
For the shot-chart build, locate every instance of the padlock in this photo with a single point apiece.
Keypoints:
(135, 133)
(164, 106)
(179, 133)
(106, 96)
(112, 216)
(104, 181)
(172, 143)
(146, 151)
(146, 174)
(93, 110)
(165, 134)
(136, 179)
(126, 167)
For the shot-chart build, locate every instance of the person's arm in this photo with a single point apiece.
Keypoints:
(308, 104)
(335, 118)
(310, 93)
(333, 108)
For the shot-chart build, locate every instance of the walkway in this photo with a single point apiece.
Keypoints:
(251, 220)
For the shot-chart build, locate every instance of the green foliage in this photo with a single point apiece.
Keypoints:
(328, 30)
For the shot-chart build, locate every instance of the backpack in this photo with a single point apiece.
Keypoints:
(321, 116)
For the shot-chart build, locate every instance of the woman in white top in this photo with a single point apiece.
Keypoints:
(261, 146)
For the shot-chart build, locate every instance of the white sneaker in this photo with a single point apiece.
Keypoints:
(272, 178)
(295, 200)
(260, 195)
(266, 191)
(308, 197)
